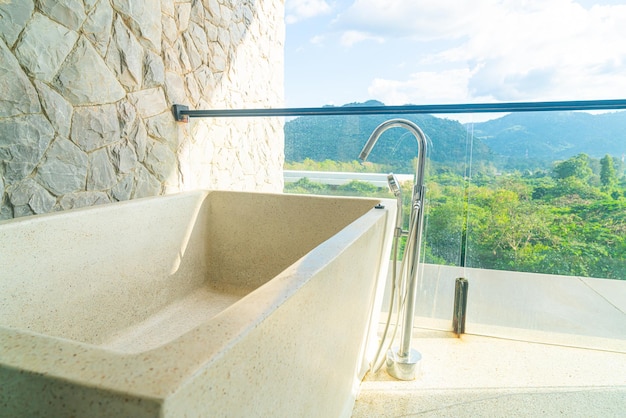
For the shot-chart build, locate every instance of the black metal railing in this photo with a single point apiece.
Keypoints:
(182, 113)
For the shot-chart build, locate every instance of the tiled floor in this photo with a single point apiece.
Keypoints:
(478, 376)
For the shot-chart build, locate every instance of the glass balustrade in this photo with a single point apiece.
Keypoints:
(528, 204)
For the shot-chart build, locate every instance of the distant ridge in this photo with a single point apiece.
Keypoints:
(340, 138)
(528, 136)
(555, 135)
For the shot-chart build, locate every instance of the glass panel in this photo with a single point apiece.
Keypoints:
(549, 195)
(546, 221)
(530, 207)
(316, 148)
(321, 157)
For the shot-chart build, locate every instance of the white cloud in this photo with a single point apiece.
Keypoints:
(509, 50)
(422, 20)
(317, 40)
(351, 37)
(446, 51)
(553, 50)
(427, 87)
(297, 10)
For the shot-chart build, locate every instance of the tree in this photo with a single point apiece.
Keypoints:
(444, 233)
(577, 166)
(574, 178)
(608, 177)
(507, 232)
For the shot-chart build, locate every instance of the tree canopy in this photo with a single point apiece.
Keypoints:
(559, 221)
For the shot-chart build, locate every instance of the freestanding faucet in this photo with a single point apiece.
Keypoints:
(402, 362)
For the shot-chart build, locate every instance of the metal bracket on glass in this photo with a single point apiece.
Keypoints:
(460, 306)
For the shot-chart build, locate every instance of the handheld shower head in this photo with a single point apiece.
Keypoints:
(392, 181)
(394, 186)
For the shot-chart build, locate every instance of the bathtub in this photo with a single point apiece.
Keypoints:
(203, 303)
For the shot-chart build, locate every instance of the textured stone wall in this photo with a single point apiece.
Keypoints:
(86, 88)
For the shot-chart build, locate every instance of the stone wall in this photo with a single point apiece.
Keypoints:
(86, 88)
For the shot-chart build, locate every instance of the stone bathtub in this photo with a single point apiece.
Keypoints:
(197, 304)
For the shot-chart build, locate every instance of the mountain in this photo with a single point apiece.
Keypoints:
(553, 136)
(341, 138)
(523, 139)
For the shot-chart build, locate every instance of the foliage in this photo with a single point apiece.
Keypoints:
(558, 221)
(537, 192)
(608, 176)
(577, 167)
(352, 188)
(353, 166)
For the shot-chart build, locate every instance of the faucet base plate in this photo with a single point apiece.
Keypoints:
(403, 367)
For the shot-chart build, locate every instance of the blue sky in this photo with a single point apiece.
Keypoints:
(453, 51)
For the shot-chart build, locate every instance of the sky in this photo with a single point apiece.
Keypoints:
(453, 51)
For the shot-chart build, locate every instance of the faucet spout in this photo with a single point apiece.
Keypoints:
(417, 133)
(403, 363)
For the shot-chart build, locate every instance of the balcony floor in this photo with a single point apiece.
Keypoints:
(477, 376)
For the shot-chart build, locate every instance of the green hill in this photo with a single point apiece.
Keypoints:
(340, 138)
(517, 140)
(552, 136)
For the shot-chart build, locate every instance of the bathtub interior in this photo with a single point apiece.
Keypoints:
(132, 276)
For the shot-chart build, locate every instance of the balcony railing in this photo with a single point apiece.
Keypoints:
(529, 207)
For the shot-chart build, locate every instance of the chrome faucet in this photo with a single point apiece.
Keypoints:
(403, 362)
